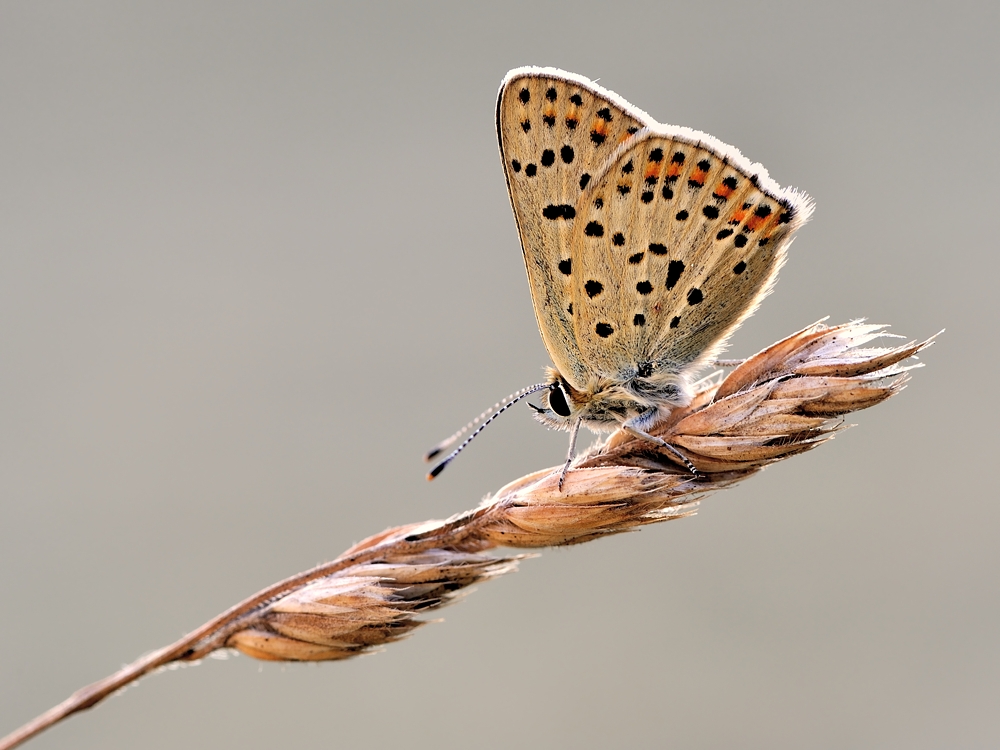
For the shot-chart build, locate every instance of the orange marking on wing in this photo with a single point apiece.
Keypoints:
(738, 216)
(771, 224)
(674, 169)
(698, 176)
(723, 191)
(755, 222)
(773, 231)
(600, 127)
(653, 170)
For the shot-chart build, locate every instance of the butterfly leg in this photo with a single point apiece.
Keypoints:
(572, 452)
(726, 362)
(633, 427)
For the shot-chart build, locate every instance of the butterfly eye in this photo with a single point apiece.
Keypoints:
(557, 401)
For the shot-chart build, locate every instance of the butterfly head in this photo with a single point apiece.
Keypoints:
(559, 407)
(604, 403)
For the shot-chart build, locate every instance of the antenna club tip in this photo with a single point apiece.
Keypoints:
(435, 471)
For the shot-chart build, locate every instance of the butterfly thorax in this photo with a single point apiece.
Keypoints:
(603, 404)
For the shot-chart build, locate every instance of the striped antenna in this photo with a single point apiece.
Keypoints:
(485, 418)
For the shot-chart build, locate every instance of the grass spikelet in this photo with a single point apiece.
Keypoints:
(785, 400)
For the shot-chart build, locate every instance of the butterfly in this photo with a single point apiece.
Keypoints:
(646, 246)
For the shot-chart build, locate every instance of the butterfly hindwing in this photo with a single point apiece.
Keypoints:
(675, 243)
(556, 131)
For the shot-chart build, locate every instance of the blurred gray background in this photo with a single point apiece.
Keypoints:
(256, 257)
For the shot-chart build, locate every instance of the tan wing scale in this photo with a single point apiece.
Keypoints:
(556, 131)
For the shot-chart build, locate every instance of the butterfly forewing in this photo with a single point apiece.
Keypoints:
(673, 246)
(556, 133)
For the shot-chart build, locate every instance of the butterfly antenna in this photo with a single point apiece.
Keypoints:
(497, 410)
(444, 444)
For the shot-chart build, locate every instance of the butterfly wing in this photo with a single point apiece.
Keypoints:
(675, 242)
(556, 131)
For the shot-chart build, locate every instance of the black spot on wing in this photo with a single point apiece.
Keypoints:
(531, 170)
(674, 270)
(561, 211)
(603, 330)
(695, 296)
(566, 266)
(675, 322)
(593, 288)
(644, 288)
(634, 259)
(566, 153)
(741, 240)
(618, 239)
(604, 114)
(639, 320)
(711, 212)
(584, 179)
(681, 216)
(657, 249)
(594, 229)
(548, 157)
(576, 99)
(550, 94)
(515, 165)
(524, 96)
(740, 267)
